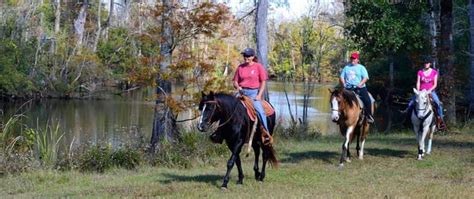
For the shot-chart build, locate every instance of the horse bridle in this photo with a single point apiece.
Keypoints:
(215, 108)
(422, 109)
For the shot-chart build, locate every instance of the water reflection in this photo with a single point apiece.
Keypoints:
(125, 117)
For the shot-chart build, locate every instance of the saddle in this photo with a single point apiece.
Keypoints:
(252, 113)
(361, 105)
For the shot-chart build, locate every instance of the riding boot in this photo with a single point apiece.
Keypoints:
(267, 139)
(408, 110)
(441, 125)
(370, 118)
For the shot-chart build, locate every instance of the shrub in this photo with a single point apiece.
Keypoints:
(96, 158)
(193, 149)
(102, 158)
(126, 157)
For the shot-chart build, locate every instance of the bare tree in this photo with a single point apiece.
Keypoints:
(163, 118)
(471, 31)
(79, 23)
(446, 56)
(262, 35)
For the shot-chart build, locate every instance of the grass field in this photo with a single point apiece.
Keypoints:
(308, 169)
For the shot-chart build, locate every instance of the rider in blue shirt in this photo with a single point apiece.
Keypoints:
(353, 77)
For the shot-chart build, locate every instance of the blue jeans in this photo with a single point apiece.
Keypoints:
(435, 99)
(252, 93)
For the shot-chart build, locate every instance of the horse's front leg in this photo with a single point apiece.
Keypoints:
(421, 143)
(256, 150)
(345, 145)
(230, 163)
(363, 137)
(358, 146)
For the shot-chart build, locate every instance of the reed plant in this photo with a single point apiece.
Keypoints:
(8, 136)
(47, 143)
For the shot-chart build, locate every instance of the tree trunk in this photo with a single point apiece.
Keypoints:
(57, 14)
(446, 56)
(97, 35)
(433, 22)
(262, 37)
(79, 23)
(163, 122)
(471, 49)
(109, 18)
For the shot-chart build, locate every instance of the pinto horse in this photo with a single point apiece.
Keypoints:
(424, 121)
(234, 127)
(347, 113)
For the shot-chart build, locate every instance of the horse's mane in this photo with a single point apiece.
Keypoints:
(349, 96)
(230, 105)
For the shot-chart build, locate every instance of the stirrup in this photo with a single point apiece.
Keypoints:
(370, 119)
(267, 139)
(440, 124)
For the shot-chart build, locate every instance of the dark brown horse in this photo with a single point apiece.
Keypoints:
(234, 128)
(347, 113)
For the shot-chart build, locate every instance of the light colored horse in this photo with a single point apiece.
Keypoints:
(424, 121)
(347, 113)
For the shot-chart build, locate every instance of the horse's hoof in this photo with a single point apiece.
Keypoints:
(239, 183)
(223, 188)
(428, 153)
(361, 158)
(257, 176)
(341, 166)
(419, 158)
(348, 160)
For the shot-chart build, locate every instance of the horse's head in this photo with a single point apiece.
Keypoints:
(209, 108)
(336, 99)
(422, 100)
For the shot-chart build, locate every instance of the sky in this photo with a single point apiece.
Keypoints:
(295, 8)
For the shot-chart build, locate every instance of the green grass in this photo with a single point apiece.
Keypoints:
(309, 169)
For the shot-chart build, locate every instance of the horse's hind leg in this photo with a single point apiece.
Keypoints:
(239, 168)
(256, 149)
(265, 155)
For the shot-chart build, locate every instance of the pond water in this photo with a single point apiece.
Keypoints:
(117, 118)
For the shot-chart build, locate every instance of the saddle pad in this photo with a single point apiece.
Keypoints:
(361, 103)
(248, 104)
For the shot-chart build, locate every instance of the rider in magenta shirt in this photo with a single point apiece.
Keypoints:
(427, 79)
(250, 75)
(250, 80)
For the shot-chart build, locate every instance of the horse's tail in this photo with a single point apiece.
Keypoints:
(272, 156)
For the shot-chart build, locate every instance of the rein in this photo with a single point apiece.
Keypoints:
(422, 119)
(215, 108)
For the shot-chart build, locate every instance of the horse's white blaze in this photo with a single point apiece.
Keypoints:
(334, 110)
(348, 136)
(202, 115)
